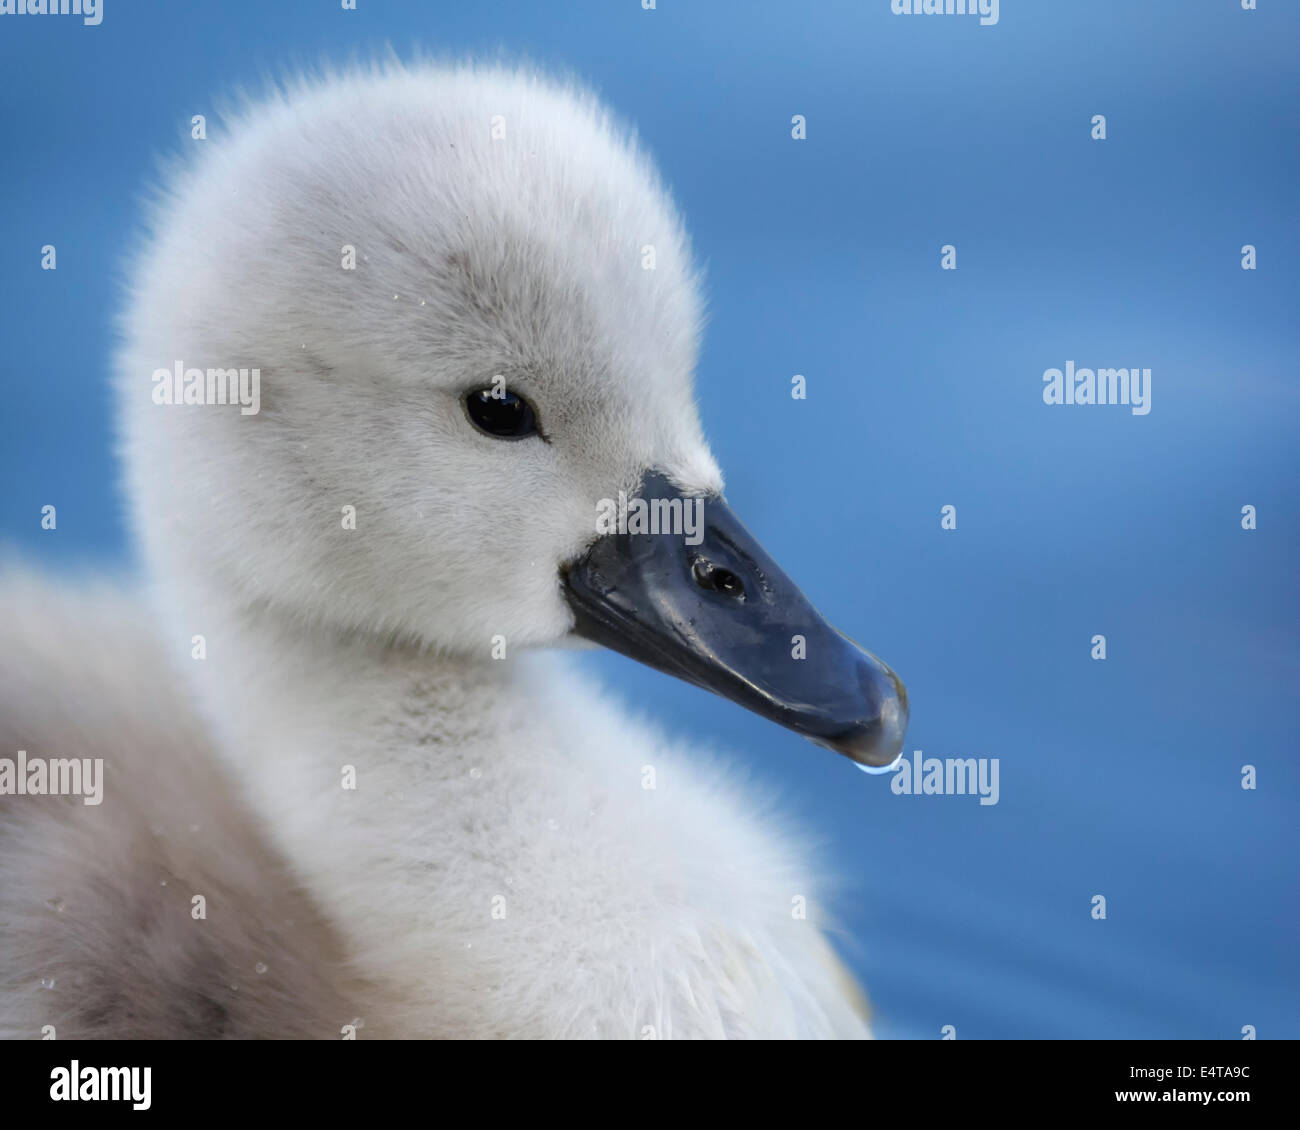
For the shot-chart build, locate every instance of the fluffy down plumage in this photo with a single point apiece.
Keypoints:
(520, 856)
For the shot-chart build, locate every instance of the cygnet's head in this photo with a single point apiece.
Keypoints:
(474, 317)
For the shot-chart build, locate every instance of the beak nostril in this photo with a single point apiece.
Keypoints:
(711, 577)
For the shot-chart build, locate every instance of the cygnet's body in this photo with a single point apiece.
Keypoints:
(372, 575)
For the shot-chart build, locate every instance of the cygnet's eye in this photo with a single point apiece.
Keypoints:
(500, 413)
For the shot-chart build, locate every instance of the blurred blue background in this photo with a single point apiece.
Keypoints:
(1121, 777)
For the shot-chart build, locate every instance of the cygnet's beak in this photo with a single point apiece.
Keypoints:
(721, 614)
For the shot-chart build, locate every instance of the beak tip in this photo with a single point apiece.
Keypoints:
(876, 743)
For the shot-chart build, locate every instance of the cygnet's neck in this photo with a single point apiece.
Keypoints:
(387, 777)
(516, 857)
